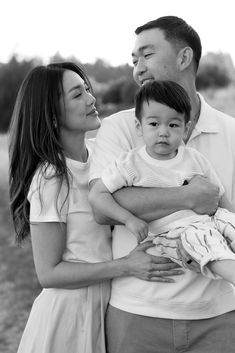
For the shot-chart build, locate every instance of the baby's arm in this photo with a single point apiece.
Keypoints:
(102, 199)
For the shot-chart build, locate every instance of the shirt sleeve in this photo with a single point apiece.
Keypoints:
(48, 201)
(210, 172)
(114, 137)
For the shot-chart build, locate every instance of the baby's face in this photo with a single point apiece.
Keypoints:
(162, 128)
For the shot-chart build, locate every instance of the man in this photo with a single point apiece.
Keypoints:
(193, 314)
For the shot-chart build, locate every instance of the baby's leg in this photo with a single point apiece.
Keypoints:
(225, 223)
(206, 245)
(166, 244)
(224, 268)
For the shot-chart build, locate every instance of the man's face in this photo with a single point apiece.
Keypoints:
(154, 58)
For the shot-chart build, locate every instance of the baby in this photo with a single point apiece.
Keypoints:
(163, 119)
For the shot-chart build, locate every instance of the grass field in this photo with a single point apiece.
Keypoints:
(18, 282)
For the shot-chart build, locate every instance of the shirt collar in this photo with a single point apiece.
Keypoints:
(207, 122)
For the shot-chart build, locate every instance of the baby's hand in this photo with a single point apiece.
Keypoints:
(138, 227)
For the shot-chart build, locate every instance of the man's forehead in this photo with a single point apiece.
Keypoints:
(148, 39)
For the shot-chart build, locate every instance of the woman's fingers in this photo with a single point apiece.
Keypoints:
(162, 279)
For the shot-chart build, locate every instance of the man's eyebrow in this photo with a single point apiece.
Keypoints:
(144, 47)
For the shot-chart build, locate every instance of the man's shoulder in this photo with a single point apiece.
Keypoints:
(123, 116)
(190, 153)
(222, 118)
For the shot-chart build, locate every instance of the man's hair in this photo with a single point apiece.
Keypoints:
(177, 32)
(168, 93)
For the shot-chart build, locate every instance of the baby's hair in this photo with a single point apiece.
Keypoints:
(168, 93)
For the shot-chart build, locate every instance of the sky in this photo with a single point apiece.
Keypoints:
(91, 29)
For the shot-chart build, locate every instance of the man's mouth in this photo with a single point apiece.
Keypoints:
(145, 80)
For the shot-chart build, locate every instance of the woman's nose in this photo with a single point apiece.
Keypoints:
(90, 99)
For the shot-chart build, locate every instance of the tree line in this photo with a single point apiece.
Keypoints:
(114, 87)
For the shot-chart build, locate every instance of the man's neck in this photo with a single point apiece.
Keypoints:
(195, 113)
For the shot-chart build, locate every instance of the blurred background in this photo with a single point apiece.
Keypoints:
(100, 35)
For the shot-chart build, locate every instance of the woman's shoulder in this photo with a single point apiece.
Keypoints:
(44, 180)
(43, 173)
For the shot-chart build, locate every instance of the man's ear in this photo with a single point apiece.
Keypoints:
(184, 58)
(138, 127)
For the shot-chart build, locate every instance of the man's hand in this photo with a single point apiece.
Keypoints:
(204, 195)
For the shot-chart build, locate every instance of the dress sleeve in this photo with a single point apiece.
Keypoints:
(48, 202)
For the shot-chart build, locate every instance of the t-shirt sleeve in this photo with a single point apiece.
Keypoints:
(48, 201)
(120, 173)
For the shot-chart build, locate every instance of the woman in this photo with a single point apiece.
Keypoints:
(49, 163)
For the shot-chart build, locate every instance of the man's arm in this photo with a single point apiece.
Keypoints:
(149, 204)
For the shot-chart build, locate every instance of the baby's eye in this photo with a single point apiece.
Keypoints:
(153, 124)
(174, 125)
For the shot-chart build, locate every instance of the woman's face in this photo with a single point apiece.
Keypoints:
(78, 111)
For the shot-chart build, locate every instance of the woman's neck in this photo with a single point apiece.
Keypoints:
(74, 145)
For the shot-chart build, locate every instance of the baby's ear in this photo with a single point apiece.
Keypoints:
(138, 127)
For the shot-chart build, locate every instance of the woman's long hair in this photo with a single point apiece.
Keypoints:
(35, 136)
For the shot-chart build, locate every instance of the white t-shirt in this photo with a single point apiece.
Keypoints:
(192, 296)
(138, 168)
(86, 240)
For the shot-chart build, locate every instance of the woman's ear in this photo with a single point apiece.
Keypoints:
(138, 127)
(184, 58)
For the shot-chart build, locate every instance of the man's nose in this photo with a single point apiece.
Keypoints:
(140, 67)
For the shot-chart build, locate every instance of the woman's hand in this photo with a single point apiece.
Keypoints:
(149, 267)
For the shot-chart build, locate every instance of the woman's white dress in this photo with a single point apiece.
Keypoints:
(69, 320)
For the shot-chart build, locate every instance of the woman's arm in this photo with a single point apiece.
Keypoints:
(48, 242)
